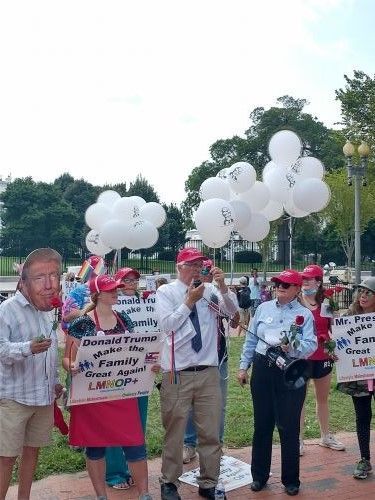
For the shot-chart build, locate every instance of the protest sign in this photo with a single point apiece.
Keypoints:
(355, 347)
(141, 311)
(150, 280)
(114, 367)
(233, 473)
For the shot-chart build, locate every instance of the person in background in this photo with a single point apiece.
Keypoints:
(190, 438)
(254, 291)
(265, 294)
(320, 362)
(273, 401)
(160, 281)
(29, 381)
(189, 361)
(362, 391)
(117, 474)
(244, 303)
(97, 425)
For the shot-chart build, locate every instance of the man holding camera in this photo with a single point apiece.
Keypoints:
(188, 314)
(28, 368)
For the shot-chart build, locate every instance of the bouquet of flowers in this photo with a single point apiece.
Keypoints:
(295, 330)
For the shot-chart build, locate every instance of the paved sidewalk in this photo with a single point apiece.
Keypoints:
(323, 473)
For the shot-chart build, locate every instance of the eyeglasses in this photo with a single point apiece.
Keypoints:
(195, 265)
(366, 291)
(41, 279)
(283, 285)
(130, 280)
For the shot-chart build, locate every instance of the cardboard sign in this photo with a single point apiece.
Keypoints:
(355, 347)
(150, 280)
(141, 312)
(114, 367)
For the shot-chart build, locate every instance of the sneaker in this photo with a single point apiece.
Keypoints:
(362, 469)
(301, 448)
(188, 454)
(329, 441)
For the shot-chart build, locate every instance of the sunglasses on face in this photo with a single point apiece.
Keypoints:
(365, 291)
(284, 286)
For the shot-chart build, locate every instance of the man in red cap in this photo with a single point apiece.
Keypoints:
(189, 361)
(285, 323)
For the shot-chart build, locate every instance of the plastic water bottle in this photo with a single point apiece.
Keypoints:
(220, 490)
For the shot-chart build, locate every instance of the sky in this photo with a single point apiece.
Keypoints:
(107, 90)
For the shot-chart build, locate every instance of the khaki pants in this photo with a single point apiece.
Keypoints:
(200, 390)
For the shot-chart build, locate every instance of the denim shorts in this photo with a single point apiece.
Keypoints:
(133, 453)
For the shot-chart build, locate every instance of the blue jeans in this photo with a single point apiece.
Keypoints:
(190, 438)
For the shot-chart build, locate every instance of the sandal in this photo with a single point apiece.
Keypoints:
(125, 485)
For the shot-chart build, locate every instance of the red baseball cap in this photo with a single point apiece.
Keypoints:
(125, 271)
(288, 276)
(312, 271)
(189, 254)
(104, 283)
(94, 260)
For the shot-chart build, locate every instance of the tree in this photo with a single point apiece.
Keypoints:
(35, 215)
(172, 233)
(339, 213)
(358, 106)
(141, 187)
(317, 139)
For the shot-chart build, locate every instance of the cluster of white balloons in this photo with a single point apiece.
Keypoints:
(235, 201)
(117, 222)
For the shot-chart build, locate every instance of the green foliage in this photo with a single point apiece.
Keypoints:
(141, 187)
(248, 256)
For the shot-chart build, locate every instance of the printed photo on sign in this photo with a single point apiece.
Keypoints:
(355, 347)
(114, 367)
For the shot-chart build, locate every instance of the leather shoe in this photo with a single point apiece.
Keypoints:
(208, 493)
(169, 492)
(291, 490)
(257, 486)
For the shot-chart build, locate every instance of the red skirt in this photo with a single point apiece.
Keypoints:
(112, 423)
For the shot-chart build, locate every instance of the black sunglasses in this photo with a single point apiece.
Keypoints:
(283, 285)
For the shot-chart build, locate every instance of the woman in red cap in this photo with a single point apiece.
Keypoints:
(117, 471)
(88, 421)
(321, 362)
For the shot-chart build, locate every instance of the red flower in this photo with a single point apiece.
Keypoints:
(339, 289)
(300, 320)
(146, 293)
(328, 293)
(321, 339)
(56, 302)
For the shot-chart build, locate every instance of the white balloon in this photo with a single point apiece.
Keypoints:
(241, 176)
(137, 200)
(94, 244)
(214, 187)
(141, 234)
(114, 234)
(257, 197)
(216, 243)
(96, 215)
(284, 147)
(242, 213)
(108, 197)
(291, 209)
(311, 167)
(127, 209)
(223, 173)
(273, 210)
(311, 194)
(257, 229)
(154, 213)
(268, 167)
(276, 181)
(213, 218)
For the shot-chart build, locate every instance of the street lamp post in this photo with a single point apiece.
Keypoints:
(358, 172)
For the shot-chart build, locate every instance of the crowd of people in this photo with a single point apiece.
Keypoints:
(194, 314)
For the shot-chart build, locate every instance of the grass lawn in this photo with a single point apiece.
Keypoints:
(58, 458)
